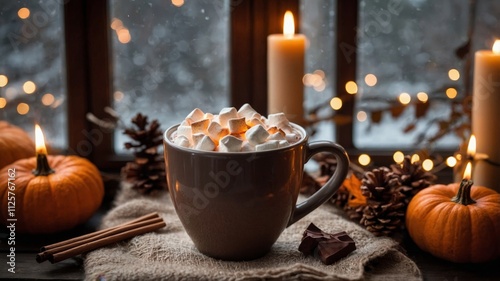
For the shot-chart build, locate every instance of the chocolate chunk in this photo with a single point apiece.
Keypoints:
(328, 247)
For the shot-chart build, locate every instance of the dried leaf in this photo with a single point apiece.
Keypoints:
(376, 116)
(410, 127)
(421, 109)
(397, 110)
(353, 186)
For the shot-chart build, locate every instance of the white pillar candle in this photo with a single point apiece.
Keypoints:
(486, 116)
(285, 69)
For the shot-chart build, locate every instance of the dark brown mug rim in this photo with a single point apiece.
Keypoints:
(171, 130)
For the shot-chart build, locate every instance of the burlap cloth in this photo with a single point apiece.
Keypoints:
(169, 254)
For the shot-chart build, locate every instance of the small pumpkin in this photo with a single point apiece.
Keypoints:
(15, 144)
(456, 222)
(51, 193)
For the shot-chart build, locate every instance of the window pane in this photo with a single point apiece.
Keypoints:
(318, 25)
(408, 47)
(168, 58)
(32, 62)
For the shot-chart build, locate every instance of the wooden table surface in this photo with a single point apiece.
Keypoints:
(27, 268)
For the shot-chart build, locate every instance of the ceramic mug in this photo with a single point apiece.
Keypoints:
(235, 205)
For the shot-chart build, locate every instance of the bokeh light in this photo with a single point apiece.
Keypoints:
(361, 116)
(404, 98)
(23, 108)
(48, 99)
(427, 164)
(451, 93)
(177, 3)
(336, 103)
(453, 74)
(364, 159)
(23, 13)
(451, 161)
(29, 87)
(3, 102)
(351, 87)
(398, 157)
(423, 97)
(415, 158)
(3, 80)
(371, 80)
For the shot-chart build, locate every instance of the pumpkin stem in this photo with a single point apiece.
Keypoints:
(463, 194)
(42, 166)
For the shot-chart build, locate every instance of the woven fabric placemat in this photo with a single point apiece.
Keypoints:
(169, 254)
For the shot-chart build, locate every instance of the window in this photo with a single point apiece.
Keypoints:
(165, 57)
(32, 77)
(168, 58)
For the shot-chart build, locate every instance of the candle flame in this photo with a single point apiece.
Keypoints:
(471, 148)
(288, 24)
(496, 47)
(468, 171)
(40, 142)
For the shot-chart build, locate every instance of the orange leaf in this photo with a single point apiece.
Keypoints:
(353, 185)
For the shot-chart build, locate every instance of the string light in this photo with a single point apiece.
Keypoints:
(29, 87)
(118, 96)
(123, 35)
(451, 93)
(364, 159)
(451, 161)
(404, 98)
(116, 24)
(177, 3)
(3, 81)
(427, 164)
(23, 13)
(336, 103)
(423, 97)
(398, 157)
(23, 108)
(3, 102)
(48, 99)
(351, 87)
(453, 74)
(371, 80)
(415, 158)
(361, 116)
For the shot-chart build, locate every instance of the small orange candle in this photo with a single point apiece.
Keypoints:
(285, 69)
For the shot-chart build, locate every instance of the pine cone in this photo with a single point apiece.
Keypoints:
(147, 171)
(412, 176)
(385, 209)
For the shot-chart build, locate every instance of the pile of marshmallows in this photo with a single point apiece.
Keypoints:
(234, 131)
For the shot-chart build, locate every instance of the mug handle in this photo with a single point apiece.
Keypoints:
(331, 186)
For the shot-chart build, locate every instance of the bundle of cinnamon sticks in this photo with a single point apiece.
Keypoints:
(85, 243)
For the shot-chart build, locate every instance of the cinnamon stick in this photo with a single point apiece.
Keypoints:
(58, 244)
(62, 250)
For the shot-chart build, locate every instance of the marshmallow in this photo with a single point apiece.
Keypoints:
(195, 115)
(277, 119)
(230, 144)
(185, 123)
(272, 144)
(254, 122)
(246, 111)
(216, 132)
(283, 143)
(182, 141)
(246, 147)
(286, 129)
(200, 126)
(276, 136)
(273, 130)
(208, 116)
(226, 114)
(197, 138)
(185, 131)
(237, 125)
(206, 144)
(256, 135)
(292, 137)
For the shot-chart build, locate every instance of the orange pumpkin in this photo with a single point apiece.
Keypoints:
(15, 144)
(51, 193)
(456, 222)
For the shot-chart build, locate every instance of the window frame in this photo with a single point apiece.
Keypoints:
(89, 70)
